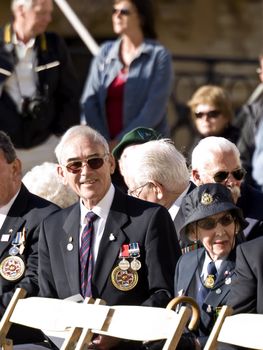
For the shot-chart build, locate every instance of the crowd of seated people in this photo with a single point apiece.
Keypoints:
(123, 215)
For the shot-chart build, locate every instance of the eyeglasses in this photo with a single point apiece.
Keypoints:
(210, 223)
(136, 192)
(95, 163)
(221, 176)
(122, 12)
(211, 114)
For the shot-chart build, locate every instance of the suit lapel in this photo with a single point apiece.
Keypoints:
(71, 257)
(14, 221)
(109, 249)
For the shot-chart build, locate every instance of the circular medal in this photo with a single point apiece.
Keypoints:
(210, 281)
(12, 268)
(124, 280)
(124, 264)
(14, 250)
(136, 265)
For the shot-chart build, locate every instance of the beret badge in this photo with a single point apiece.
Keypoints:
(206, 199)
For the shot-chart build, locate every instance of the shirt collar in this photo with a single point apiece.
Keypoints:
(173, 210)
(207, 260)
(5, 209)
(102, 208)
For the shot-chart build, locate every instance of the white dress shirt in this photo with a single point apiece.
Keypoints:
(102, 210)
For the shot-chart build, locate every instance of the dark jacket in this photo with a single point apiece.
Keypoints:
(246, 143)
(185, 284)
(130, 220)
(58, 93)
(27, 211)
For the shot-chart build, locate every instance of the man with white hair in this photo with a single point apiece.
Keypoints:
(157, 172)
(216, 159)
(38, 87)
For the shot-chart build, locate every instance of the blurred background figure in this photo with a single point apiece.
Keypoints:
(250, 143)
(44, 181)
(212, 113)
(130, 80)
(129, 141)
(38, 88)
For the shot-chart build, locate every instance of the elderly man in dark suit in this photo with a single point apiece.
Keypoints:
(132, 247)
(20, 215)
(216, 159)
(246, 292)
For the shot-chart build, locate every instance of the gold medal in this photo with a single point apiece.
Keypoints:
(12, 268)
(124, 280)
(210, 281)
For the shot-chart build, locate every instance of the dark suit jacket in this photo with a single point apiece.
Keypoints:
(251, 203)
(130, 220)
(185, 284)
(26, 212)
(246, 292)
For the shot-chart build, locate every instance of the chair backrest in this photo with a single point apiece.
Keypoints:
(5, 323)
(62, 319)
(143, 323)
(75, 323)
(243, 330)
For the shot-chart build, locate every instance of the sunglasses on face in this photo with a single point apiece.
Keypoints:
(122, 12)
(95, 163)
(221, 176)
(210, 223)
(211, 114)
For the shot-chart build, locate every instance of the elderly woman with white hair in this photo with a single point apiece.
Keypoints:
(44, 181)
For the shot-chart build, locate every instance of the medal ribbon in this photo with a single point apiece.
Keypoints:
(134, 250)
(124, 251)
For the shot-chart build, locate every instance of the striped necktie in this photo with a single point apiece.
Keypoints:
(85, 253)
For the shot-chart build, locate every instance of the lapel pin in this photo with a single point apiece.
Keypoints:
(10, 230)
(228, 280)
(112, 237)
(70, 245)
(218, 291)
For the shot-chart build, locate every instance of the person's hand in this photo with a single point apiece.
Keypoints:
(103, 342)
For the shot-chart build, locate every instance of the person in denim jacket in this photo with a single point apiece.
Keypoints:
(130, 80)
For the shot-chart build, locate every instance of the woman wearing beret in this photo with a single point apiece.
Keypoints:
(130, 80)
(206, 274)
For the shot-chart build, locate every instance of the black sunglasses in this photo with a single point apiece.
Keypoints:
(122, 12)
(211, 114)
(221, 176)
(210, 223)
(94, 163)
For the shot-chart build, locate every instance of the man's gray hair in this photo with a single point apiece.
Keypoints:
(7, 147)
(159, 160)
(26, 3)
(80, 131)
(203, 154)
